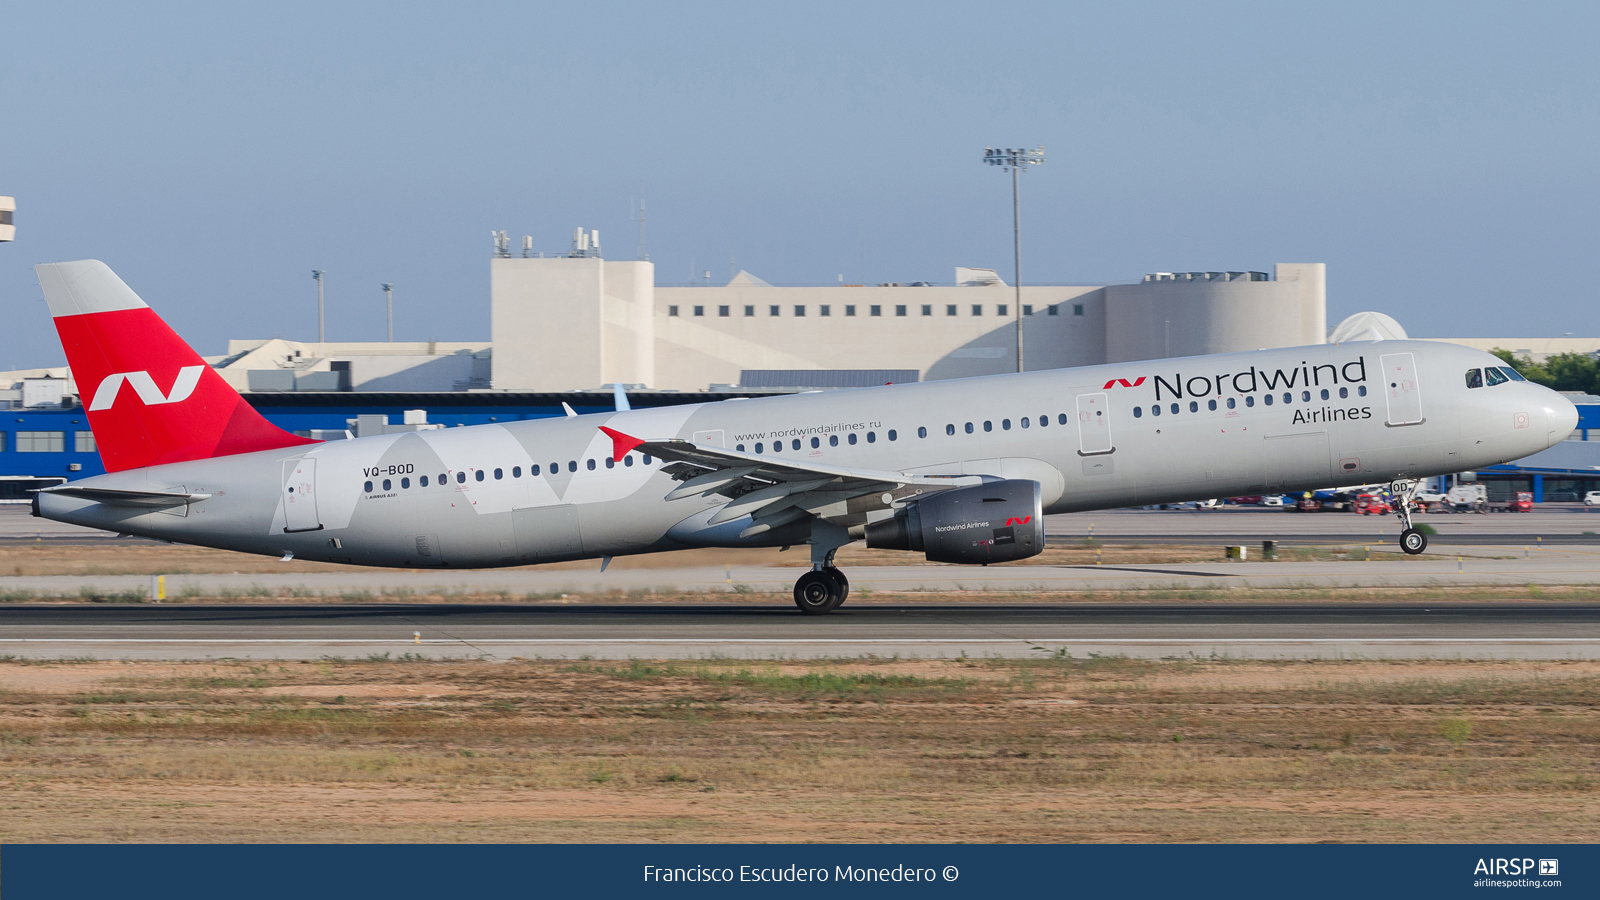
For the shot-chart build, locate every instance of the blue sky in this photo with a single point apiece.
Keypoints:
(1441, 158)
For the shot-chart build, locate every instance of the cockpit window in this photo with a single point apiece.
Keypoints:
(1474, 378)
(1512, 374)
(1495, 375)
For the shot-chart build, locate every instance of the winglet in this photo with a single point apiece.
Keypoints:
(620, 443)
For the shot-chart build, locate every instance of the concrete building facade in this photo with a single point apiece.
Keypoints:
(566, 324)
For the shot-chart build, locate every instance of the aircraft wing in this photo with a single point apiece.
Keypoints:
(121, 497)
(777, 490)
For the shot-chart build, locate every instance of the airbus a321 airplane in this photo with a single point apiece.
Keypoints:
(962, 471)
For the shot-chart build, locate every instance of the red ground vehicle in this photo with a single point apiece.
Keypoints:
(1372, 504)
(1523, 503)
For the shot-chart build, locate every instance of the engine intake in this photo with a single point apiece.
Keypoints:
(989, 523)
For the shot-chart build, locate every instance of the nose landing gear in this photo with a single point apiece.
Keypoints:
(1412, 540)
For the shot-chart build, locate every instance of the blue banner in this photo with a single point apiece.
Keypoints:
(180, 872)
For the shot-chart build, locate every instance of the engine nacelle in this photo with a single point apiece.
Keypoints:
(989, 523)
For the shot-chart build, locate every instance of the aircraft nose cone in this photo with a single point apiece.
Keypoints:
(1561, 417)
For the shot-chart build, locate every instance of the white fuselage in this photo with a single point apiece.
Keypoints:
(1098, 437)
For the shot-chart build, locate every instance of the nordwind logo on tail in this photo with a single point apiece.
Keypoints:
(106, 394)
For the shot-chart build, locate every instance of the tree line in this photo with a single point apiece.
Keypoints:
(1562, 372)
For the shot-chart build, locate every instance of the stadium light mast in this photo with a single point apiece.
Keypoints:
(321, 331)
(388, 301)
(1012, 160)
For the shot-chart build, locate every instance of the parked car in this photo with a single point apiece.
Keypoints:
(1522, 503)
(1592, 498)
(1276, 500)
(1371, 505)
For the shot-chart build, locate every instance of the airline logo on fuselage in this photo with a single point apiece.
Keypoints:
(1251, 380)
(105, 396)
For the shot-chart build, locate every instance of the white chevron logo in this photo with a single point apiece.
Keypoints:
(106, 394)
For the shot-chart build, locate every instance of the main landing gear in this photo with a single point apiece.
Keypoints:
(1412, 540)
(823, 589)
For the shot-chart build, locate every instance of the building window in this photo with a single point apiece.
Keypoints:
(927, 309)
(749, 311)
(724, 311)
(699, 310)
(850, 310)
(824, 310)
(41, 441)
(899, 309)
(2, 441)
(1077, 309)
(977, 309)
(1002, 310)
(82, 441)
(875, 310)
(799, 310)
(672, 310)
(773, 310)
(1055, 310)
(950, 310)
(1027, 309)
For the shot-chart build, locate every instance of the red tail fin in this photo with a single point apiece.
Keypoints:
(150, 398)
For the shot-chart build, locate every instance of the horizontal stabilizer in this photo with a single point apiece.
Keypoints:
(122, 497)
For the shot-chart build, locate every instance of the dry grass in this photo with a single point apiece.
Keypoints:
(968, 750)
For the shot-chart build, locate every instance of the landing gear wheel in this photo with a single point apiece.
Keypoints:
(817, 593)
(1413, 541)
(844, 585)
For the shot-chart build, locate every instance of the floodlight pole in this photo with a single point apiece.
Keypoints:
(321, 329)
(1013, 160)
(388, 300)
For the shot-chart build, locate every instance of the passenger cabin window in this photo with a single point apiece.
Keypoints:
(478, 475)
(1174, 409)
(1474, 378)
(1155, 410)
(1324, 393)
(833, 440)
(1361, 390)
(758, 447)
(1231, 403)
(628, 460)
(572, 465)
(499, 474)
(794, 444)
(611, 463)
(590, 464)
(516, 471)
(922, 432)
(1194, 406)
(405, 482)
(894, 435)
(1138, 412)
(851, 439)
(1495, 376)
(1043, 421)
(1005, 424)
(1344, 393)
(872, 437)
(969, 428)
(1026, 421)
(815, 443)
(1211, 404)
(423, 481)
(988, 426)
(950, 429)
(461, 478)
(1061, 418)
(1266, 399)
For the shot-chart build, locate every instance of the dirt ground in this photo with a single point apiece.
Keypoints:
(927, 751)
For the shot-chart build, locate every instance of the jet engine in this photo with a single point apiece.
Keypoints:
(989, 523)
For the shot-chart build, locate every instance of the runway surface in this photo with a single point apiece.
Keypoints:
(859, 629)
(1505, 565)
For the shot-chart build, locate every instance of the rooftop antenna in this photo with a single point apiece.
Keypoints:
(527, 246)
(639, 217)
(502, 247)
(388, 301)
